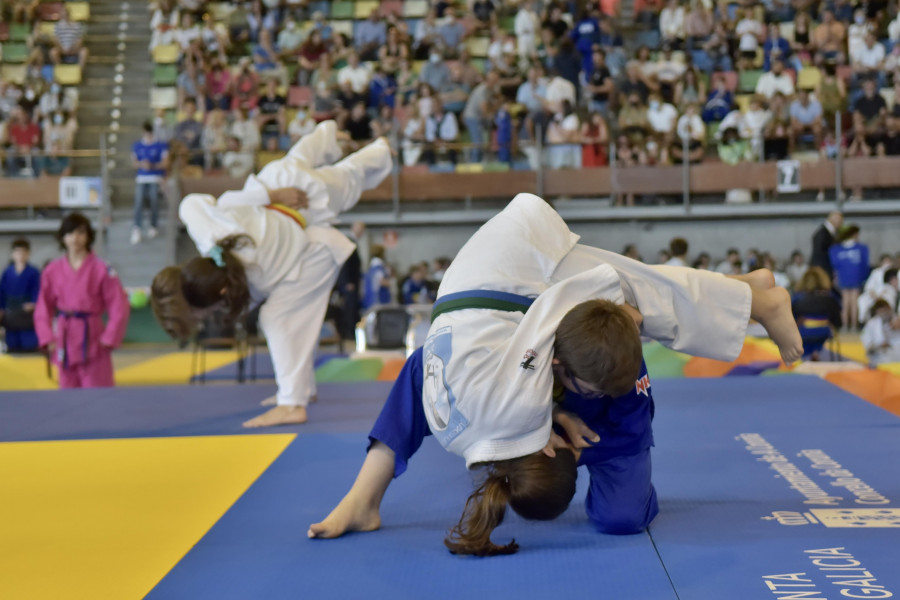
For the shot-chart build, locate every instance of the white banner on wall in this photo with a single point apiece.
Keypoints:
(80, 192)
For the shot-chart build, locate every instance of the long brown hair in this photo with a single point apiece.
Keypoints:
(536, 487)
(169, 306)
(203, 281)
(600, 343)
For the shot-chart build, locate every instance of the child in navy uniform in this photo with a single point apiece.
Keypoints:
(19, 287)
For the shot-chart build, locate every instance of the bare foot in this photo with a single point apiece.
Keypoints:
(772, 308)
(351, 514)
(760, 279)
(280, 415)
(273, 400)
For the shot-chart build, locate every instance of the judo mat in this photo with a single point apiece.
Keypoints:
(769, 487)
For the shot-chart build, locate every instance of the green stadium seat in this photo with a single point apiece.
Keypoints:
(15, 53)
(747, 80)
(711, 130)
(19, 32)
(165, 75)
(507, 24)
(342, 10)
(415, 9)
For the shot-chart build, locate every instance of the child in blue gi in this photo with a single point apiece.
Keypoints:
(19, 287)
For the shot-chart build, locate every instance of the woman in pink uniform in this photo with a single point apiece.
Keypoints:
(76, 291)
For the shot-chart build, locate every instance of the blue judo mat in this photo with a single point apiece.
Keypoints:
(769, 488)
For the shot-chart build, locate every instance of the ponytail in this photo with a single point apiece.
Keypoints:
(204, 279)
(169, 306)
(536, 487)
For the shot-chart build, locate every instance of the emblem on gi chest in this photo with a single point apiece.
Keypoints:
(529, 357)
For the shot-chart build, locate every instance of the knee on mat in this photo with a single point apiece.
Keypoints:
(620, 523)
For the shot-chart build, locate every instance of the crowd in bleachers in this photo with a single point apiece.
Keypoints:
(453, 80)
(43, 58)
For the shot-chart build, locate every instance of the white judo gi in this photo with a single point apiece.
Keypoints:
(882, 343)
(483, 398)
(292, 268)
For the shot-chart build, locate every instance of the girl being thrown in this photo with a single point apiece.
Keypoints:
(272, 242)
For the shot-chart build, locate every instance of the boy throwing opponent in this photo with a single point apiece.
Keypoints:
(544, 311)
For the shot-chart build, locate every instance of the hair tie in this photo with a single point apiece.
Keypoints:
(215, 253)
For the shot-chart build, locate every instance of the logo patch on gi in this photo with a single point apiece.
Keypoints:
(642, 385)
(529, 357)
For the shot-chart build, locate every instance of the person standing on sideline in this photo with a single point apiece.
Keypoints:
(77, 290)
(348, 284)
(19, 287)
(822, 240)
(377, 288)
(150, 157)
(850, 260)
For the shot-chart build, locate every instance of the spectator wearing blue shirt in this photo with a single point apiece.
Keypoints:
(369, 36)
(778, 48)
(452, 34)
(850, 260)
(150, 157)
(585, 34)
(504, 123)
(189, 132)
(529, 95)
(719, 102)
(382, 88)
(806, 117)
(19, 287)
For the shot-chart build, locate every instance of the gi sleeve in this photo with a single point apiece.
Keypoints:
(117, 309)
(537, 330)
(320, 147)
(45, 310)
(249, 196)
(206, 223)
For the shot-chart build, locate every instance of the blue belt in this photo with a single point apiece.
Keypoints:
(487, 299)
(63, 354)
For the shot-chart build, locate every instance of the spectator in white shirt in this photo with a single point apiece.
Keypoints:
(246, 131)
(856, 34)
(237, 161)
(356, 74)
(750, 34)
(441, 132)
(869, 61)
(776, 80)
(559, 90)
(563, 135)
(691, 128)
(188, 37)
(671, 24)
(754, 123)
(662, 117)
(302, 124)
(526, 26)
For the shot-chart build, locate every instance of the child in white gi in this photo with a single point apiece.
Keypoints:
(272, 241)
(489, 371)
(881, 335)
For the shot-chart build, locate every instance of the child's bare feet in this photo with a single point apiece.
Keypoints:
(772, 308)
(279, 415)
(352, 514)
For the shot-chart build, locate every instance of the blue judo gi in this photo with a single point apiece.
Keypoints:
(17, 289)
